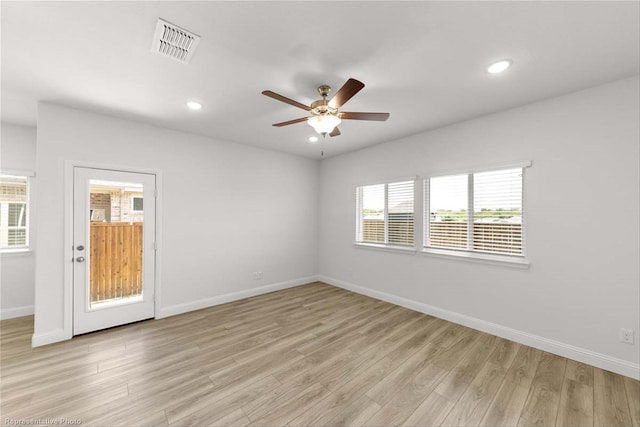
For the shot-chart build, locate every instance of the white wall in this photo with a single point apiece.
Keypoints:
(17, 276)
(227, 210)
(582, 225)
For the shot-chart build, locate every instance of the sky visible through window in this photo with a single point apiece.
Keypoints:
(495, 190)
(373, 198)
(492, 191)
(449, 193)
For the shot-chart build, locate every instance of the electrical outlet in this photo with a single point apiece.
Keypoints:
(257, 275)
(626, 335)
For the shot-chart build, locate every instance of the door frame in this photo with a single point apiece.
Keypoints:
(67, 261)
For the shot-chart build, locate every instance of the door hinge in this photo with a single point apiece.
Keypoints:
(155, 246)
(155, 193)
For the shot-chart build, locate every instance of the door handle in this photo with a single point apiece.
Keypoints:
(80, 259)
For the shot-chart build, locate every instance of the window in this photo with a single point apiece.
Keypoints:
(136, 204)
(385, 214)
(14, 194)
(475, 212)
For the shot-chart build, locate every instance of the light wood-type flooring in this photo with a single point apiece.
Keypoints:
(310, 355)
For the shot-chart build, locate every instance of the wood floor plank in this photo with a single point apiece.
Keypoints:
(412, 356)
(65, 405)
(470, 363)
(576, 402)
(431, 412)
(260, 406)
(235, 419)
(354, 414)
(386, 389)
(506, 406)
(611, 407)
(541, 406)
(213, 406)
(340, 399)
(474, 402)
(284, 413)
(579, 372)
(353, 326)
(122, 410)
(408, 398)
(632, 387)
(312, 355)
(396, 346)
(576, 405)
(414, 336)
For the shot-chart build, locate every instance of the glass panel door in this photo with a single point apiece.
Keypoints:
(114, 248)
(116, 218)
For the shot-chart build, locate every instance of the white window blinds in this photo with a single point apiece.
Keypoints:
(497, 211)
(385, 213)
(372, 213)
(13, 212)
(400, 213)
(480, 212)
(448, 211)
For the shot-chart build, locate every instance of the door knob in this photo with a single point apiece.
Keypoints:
(80, 259)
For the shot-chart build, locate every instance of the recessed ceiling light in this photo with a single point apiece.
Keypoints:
(313, 139)
(500, 66)
(193, 105)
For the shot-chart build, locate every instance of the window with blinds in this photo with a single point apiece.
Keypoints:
(479, 212)
(385, 214)
(13, 212)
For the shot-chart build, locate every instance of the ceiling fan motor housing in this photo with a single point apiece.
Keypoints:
(321, 107)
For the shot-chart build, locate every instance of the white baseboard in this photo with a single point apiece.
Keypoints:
(619, 366)
(10, 313)
(49, 337)
(172, 310)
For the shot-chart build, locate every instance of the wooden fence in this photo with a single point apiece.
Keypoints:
(400, 230)
(488, 237)
(498, 237)
(115, 260)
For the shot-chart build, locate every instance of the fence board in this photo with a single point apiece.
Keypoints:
(115, 260)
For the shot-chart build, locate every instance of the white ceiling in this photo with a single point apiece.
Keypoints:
(423, 62)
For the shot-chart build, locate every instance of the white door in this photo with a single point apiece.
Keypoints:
(114, 248)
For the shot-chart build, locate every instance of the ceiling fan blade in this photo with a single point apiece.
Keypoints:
(335, 132)
(346, 92)
(290, 122)
(378, 117)
(286, 100)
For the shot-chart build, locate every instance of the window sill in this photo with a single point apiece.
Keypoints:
(391, 248)
(15, 252)
(505, 261)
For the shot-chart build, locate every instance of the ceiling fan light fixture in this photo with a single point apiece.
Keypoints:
(324, 124)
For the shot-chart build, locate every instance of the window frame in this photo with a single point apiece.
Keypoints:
(411, 248)
(511, 260)
(27, 247)
(133, 205)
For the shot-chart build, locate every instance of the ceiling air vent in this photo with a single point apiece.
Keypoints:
(174, 42)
